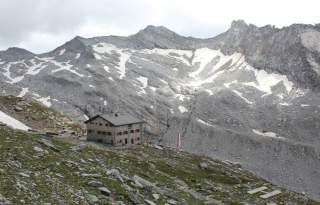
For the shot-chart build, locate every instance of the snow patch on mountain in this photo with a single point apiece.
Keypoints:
(62, 51)
(267, 134)
(106, 68)
(227, 85)
(34, 69)
(212, 64)
(97, 56)
(305, 105)
(85, 117)
(182, 109)
(264, 81)
(78, 55)
(7, 73)
(23, 92)
(45, 101)
(284, 104)
(241, 96)
(144, 82)
(104, 48)
(180, 55)
(124, 57)
(154, 89)
(63, 66)
(210, 92)
(204, 123)
(204, 56)
(198, 82)
(164, 81)
(10, 121)
(182, 97)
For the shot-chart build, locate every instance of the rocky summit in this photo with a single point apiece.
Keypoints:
(249, 95)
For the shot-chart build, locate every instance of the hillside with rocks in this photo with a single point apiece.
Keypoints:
(39, 118)
(249, 95)
(35, 169)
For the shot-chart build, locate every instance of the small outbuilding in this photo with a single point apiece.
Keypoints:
(115, 129)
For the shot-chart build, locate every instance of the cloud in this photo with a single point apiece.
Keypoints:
(42, 25)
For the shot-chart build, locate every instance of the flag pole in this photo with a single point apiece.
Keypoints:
(179, 142)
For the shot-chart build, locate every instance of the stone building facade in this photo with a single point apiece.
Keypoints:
(115, 129)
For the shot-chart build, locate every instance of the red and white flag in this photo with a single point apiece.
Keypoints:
(179, 142)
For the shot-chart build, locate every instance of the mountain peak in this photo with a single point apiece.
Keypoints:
(156, 30)
(159, 37)
(18, 51)
(14, 53)
(74, 45)
(239, 24)
(76, 41)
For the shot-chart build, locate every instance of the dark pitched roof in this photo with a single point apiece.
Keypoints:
(118, 120)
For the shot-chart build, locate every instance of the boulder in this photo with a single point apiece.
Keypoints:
(47, 143)
(90, 175)
(203, 165)
(79, 147)
(171, 201)
(116, 174)
(24, 174)
(143, 182)
(92, 198)
(95, 183)
(18, 109)
(156, 196)
(38, 149)
(157, 147)
(4, 201)
(104, 191)
(134, 198)
(149, 202)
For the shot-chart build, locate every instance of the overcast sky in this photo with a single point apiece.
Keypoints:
(42, 25)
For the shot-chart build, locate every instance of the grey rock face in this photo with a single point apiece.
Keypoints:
(276, 50)
(249, 95)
